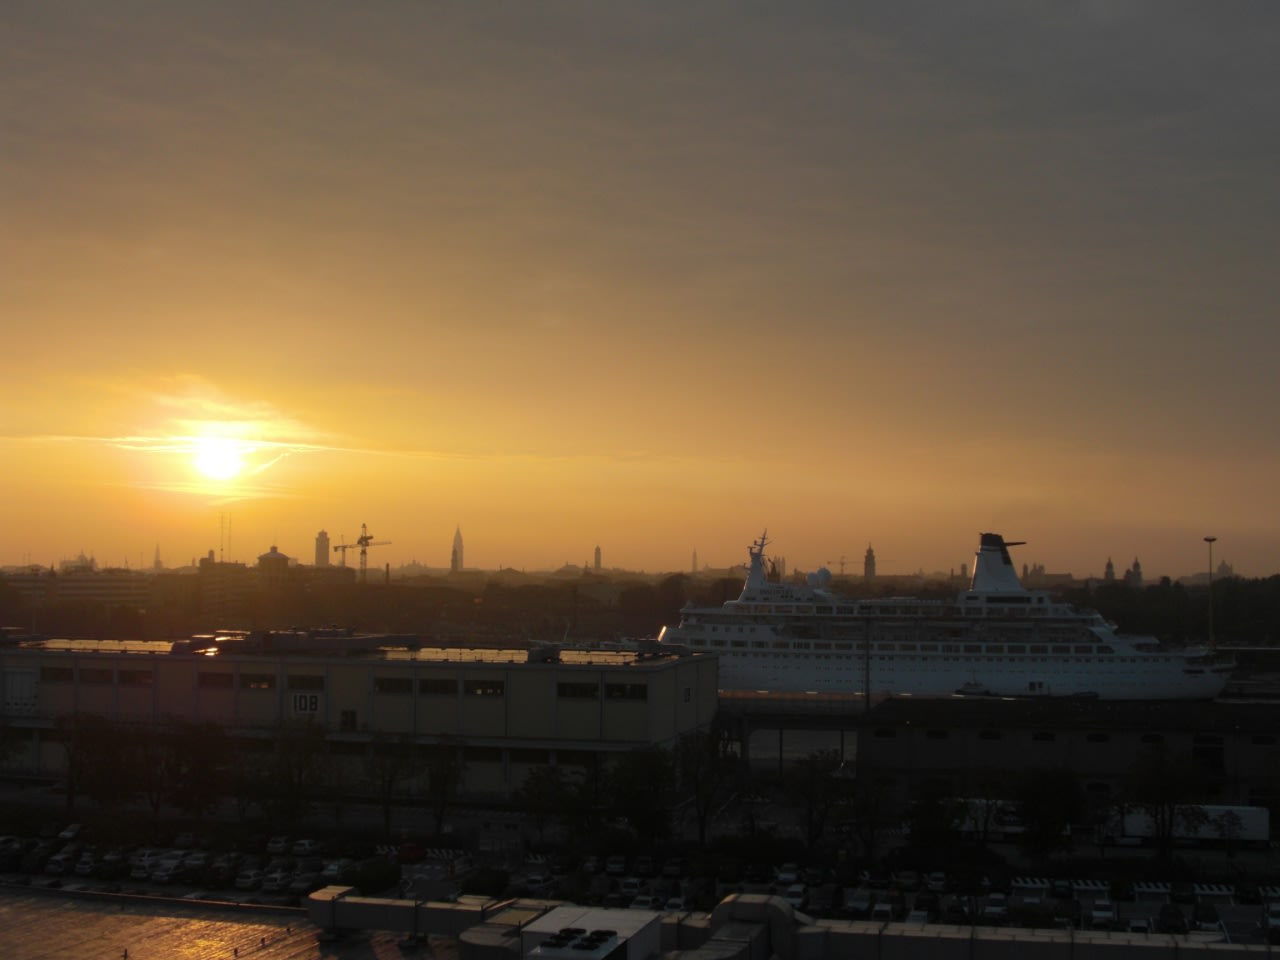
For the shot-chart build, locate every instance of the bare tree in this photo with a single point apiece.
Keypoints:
(705, 773)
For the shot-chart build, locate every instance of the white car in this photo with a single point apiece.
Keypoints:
(996, 909)
(797, 895)
(1103, 915)
(788, 874)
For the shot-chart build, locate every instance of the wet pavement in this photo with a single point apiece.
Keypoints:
(50, 926)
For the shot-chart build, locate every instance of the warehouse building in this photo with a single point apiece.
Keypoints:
(510, 710)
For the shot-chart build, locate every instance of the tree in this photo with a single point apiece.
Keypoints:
(640, 783)
(812, 782)
(1049, 802)
(100, 759)
(872, 809)
(933, 818)
(296, 768)
(705, 773)
(200, 757)
(544, 796)
(1166, 786)
(445, 767)
(389, 761)
(1228, 825)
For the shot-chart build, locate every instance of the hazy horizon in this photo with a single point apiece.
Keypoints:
(650, 277)
(852, 566)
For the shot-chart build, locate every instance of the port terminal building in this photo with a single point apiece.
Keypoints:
(508, 710)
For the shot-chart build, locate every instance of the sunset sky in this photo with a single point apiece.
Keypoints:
(653, 276)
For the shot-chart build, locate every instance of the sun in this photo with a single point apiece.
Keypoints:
(218, 458)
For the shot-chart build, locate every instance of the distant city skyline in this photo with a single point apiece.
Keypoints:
(654, 277)
(451, 560)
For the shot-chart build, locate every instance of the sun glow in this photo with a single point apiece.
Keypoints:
(219, 458)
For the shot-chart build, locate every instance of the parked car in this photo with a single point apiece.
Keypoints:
(1271, 917)
(277, 881)
(797, 895)
(306, 847)
(956, 912)
(1103, 915)
(787, 874)
(1170, 919)
(166, 871)
(616, 865)
(335, 871)
(305, 883)
(250, 879)
(278, 845)
(858, 903)
(1205, 916)
(996, 909)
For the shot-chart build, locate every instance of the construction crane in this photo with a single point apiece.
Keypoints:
(842, 561)
(364, 542)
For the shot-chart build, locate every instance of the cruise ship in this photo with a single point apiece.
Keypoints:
(997, 638)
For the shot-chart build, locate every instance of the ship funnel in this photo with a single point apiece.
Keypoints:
(993, 570)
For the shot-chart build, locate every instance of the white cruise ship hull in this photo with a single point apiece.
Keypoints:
(996, 639)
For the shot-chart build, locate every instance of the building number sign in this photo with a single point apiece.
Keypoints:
(306, 702)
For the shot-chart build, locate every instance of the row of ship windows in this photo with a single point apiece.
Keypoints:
(966, 648)
(993, 605)
(426, 686)
(1048, 736)
(847, 662)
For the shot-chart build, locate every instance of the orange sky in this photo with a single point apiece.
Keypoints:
(649, 277)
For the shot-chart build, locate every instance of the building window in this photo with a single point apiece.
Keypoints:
(578, 691)
(626, 691)
(214, 681)
(56, 675)
(482, 754)
(136, 678)
(257, 681)
(401, 685)
(688, 695)
(884, 733)
(437, 687)
(531, 757)
(485, 688)
(304, 681)
(95, 675)
(347, 721)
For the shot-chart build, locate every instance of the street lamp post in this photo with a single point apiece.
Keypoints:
(1209, 541)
